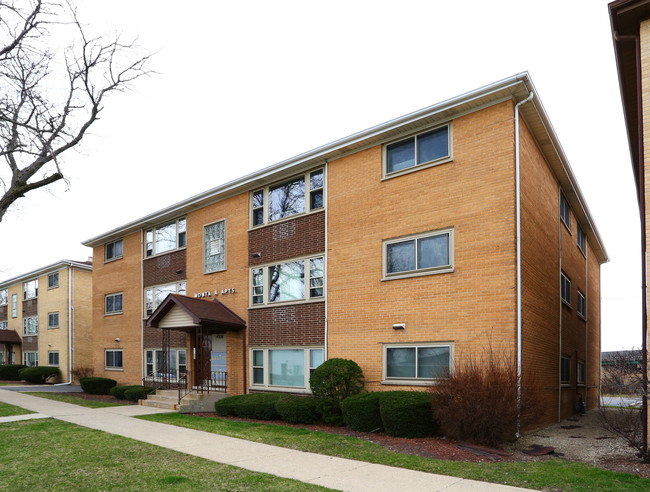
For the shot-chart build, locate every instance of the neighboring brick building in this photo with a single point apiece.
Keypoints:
(396, 247)
(45, 317)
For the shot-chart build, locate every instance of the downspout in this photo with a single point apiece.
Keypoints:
(325, 188)
(69, 329)
(518, 234)
(559, 273)
(644, 257)
(586, 320)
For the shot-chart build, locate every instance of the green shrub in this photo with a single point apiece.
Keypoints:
(137, 392)
(9, 372)
(298, 409)
(336, 379)
(97, 386)
(361, 412)
(330, 411)
(254, 406)
(407, 413)
(118, 391)
(39, 374)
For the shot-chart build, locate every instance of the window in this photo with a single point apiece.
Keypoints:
(417, 362)
(582, 305)
(113, 303)
(4, 325)
(301, 194)
(420, 254)
(53, 320)
(30, 326)
(166, 237)
(565, 370)
(565, 211)
(30, 289)
(582, 240)
(154, 296)
(284, 367)
(53, 280)
(287, 282)
(14, 305)
(565, 286)
(4, 297)
(113, 250)
(114, 359)
(176, 364)
(426, 148)
(53, 359)
(581, 372)
(30, 359)
(214, 247)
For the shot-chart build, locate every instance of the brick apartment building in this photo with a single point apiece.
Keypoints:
(45, 317)
(397, 247)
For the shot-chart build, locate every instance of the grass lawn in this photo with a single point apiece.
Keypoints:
(7, 410)
(54, 455)
(553, 474)
(72, 398)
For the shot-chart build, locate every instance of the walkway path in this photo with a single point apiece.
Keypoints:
(332, 472)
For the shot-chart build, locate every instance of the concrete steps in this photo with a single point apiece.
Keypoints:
(192, 402)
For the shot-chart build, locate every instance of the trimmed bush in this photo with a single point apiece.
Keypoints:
(330, 411)
(254, 406)
(226, 407)
(361, 412)
(298, 409)
(136, 392)
(407, 413)
(9, 372)
(97, 386)
(336, 379)
(118, 391)
(39, 374)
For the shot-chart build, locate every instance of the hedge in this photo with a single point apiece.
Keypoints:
(137, 392)
(330, 411)
(118, 391)
(97, 386)
(336, 379)
(407, 413)
(253, 406)
(361, 412)
(298, 409)
(9, 372)
(39, 374)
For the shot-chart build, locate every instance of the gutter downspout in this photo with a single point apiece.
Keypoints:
(69, 329)
(518, 234)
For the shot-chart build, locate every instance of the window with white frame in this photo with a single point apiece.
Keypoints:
(424, 149)
(113, 359)
(286, 367)
(422, 361)
(53, 280)
(30, 326)
(30, 289)
(30, 359)
(4, 325)
(565, 288)
(53, 358)
(113, 303)
(431, 252)
(582, 305)
(295, 280)
(113, 250)
(174, 366)
(565, 211)
(53, 320)
(154, 296)
(581, 372)
(166, 237)
(214, 247)
(582, 240)
(565, 370)
(4, 297)
(14, 305)
(301, 194)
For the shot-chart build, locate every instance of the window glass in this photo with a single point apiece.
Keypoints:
(53, 320)
(258, 286)
(53, 358)
(154, 296)
(114, 303)
(565, 288)
(400, 155)
(315, 359)
(165, 238)
(401, 256)
(582, 305)
(400, 362)
(182, 363)
(258, 367)
(53, 280)
(433, 251)
(14, 305)
(582, 240)
(182, 232)
(149, 241)
(114, 250)
(287, 367)
(287, 199)
(316, 277)
(214, 239)
(258, 207)
(565, 370)
(114, 359)
(4, 297)
(420, 362)
(432, 145)
(149, 363)
(30, 326)
(30, 289)
(287, 281)
(316, 187)
(581, 372)
(565, 211)
(433, 362)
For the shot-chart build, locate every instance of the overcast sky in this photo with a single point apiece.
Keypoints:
(242, 85)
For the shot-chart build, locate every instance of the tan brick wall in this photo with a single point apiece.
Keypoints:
(54, 339)
(82, 291)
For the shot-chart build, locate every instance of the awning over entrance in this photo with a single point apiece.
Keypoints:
(10, 336)
(184, 313)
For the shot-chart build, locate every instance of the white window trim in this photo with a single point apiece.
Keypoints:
(153, 293)
(413, 381)
(567, 302)
(159, 349)
(421, 272)
(425, 165)
(265, 197)
(112, 313)
(153, 244)
(58, 317)
(225, 246)
(26, 353)
(113, 368)
(51, 352)
(35, 296)
(266, 368)
(108, 260)
(51, 275)
(25, 319)
(14, 305)
(265, 283)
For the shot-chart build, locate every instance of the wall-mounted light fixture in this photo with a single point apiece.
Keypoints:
(256, 255)
(399, 326)
(117, 339)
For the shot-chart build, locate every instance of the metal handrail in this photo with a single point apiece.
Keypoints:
(182, 387)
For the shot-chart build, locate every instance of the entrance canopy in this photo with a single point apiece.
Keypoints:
(178, 312)
(10, 337)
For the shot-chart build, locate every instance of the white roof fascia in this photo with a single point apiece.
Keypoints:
(59, 265)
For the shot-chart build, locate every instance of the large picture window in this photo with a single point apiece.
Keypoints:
(419, 254)
(214, 247)
(30, 326)
(417, 362)
(296, 280)
(154, 296)
(287, 367)
(30, 359)
(30, 289)
(166, 237)
(423, 149)
(155, 363)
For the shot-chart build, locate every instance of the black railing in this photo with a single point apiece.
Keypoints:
(217, 382)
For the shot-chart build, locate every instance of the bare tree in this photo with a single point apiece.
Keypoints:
(50, 95)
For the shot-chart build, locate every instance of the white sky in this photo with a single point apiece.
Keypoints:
(242, 85)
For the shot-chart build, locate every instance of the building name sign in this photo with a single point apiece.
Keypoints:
(215, 293)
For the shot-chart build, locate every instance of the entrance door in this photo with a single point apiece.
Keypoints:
(218, 360)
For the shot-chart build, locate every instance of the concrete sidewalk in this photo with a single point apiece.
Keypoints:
(332, 472)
